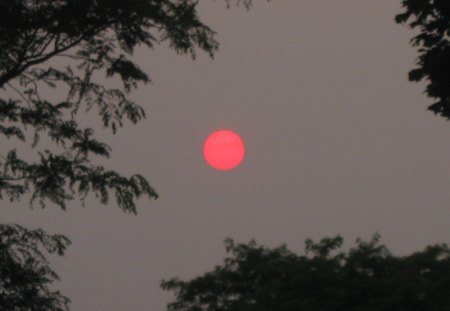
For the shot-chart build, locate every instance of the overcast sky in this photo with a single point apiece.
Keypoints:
(337, 142)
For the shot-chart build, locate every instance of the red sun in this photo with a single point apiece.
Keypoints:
(224, 150)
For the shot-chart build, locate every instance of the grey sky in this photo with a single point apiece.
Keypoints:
(338, 141)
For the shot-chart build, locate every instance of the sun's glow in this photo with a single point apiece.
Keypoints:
(224, 150)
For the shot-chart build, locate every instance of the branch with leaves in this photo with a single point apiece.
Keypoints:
(97, 38)
(25, 274)
(432, 20)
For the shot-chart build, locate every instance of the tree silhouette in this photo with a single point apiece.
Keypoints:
(25, 274)
(75, 49)
(366, 277)
(432, 19)
(96, 39)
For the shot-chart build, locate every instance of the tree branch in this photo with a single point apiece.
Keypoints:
(20, 94)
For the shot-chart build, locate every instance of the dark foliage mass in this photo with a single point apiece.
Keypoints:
(431, 18)
(25, 274)
(94, 40)
(366, 277)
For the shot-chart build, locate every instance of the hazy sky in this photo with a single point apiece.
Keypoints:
(337, 141)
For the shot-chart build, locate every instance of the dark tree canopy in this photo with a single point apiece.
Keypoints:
(431, 18)
(95, 39)
(25, 274)
(366, 277)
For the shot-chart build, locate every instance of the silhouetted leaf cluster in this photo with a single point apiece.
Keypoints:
(97, 39)
(365, 277)
(25, 274)
(432, 20)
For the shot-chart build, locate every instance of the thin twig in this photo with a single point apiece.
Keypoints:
(20, 94)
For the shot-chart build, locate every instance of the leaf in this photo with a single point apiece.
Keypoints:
(416, 75)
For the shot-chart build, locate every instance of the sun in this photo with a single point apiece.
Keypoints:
(224, 150)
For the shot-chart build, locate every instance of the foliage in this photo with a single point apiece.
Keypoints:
(366, 277)
(95, 40)
(432, 19)
(25, 274)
